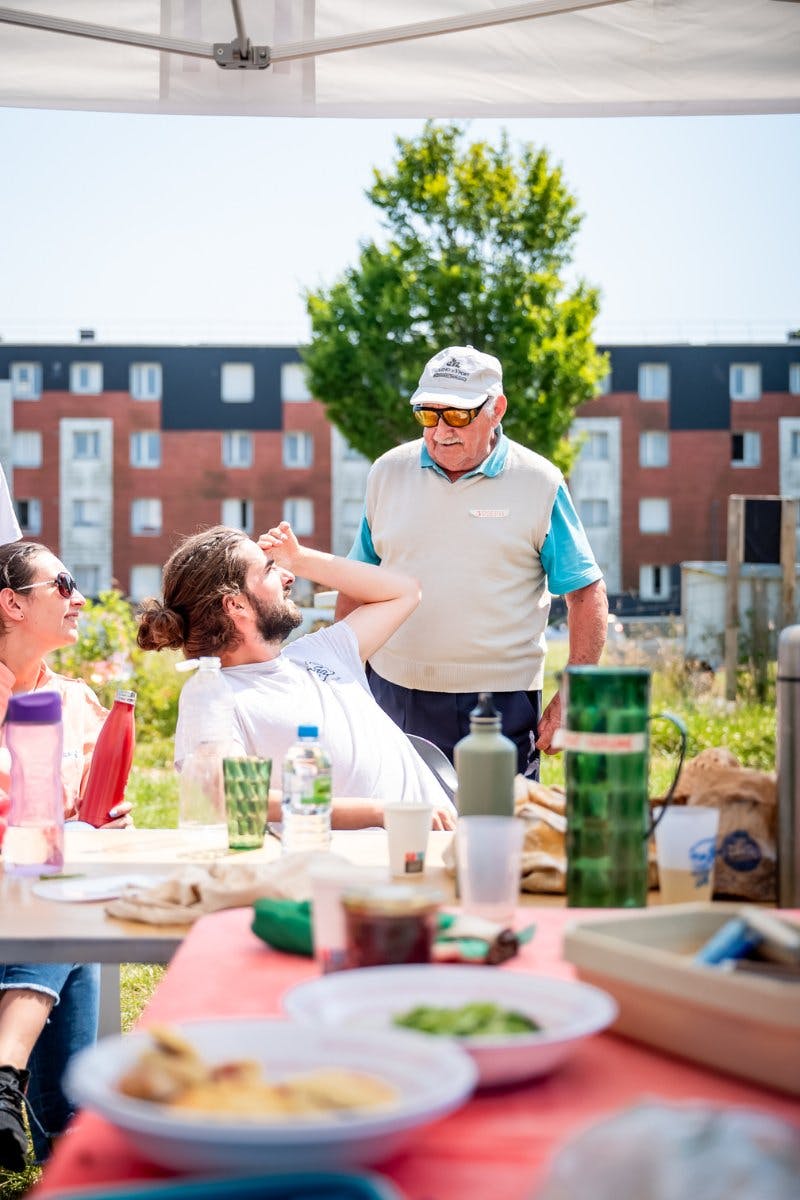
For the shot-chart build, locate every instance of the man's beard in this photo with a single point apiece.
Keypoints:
(275, 623)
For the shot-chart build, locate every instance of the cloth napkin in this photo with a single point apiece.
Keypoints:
(195, 890)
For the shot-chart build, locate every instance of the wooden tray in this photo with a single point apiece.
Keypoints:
(744, 1025)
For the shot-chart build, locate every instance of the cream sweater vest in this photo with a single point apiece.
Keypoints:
(474, 546)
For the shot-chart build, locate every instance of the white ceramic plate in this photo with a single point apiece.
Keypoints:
(91, 887)
(369, 999)
(431, 1081)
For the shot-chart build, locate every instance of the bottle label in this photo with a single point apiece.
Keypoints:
(600, 743)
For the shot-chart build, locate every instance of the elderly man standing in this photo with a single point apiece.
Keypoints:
(489, 529)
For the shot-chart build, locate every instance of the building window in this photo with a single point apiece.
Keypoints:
(654, 516)
(146, 517)
(653, 449)
(144, 381)
(29, 515)
(145, 581)
(26, 380)
(745, 381)
(26, 448)
(794, 444)
(595, 447)
(86, 378)
(238, 514)
(352, 512)
(653, 381)
(86, 444)
(86, 514)
(294, 387)
(238, 383)
(298, 449)
(593, 513)
(87, 578)
(299, 512)
(655, 583)
(146, 449)
(746, 449)
(237, 450)
(794, 378)
(350, 454)
(604, 385)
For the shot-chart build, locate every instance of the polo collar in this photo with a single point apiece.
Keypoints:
(492, 465)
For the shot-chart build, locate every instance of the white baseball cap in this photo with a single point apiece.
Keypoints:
(460, 377)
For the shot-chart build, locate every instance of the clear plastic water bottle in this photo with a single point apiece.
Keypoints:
(307, 794)
(34, 840)
(205, 713)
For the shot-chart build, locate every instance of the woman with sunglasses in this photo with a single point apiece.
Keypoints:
(48, 1011)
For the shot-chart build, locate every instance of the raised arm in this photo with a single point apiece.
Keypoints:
(381, 599)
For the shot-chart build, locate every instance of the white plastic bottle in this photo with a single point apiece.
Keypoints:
(307, 794)
(205, 709)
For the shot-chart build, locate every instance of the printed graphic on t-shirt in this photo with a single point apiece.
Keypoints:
(322, 672)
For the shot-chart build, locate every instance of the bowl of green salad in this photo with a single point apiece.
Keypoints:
(515, 1025)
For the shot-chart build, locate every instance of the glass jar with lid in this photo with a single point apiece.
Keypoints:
(390, 924)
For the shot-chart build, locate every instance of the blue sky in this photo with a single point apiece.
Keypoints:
(187, 228)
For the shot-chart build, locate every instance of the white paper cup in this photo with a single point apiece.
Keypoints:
(489, 858)
(329, 878)
(686, 840)
(408, 827)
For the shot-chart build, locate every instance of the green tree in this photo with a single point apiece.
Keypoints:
(478, 243)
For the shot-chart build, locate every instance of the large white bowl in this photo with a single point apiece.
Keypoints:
(369, 999)
(431, 1081)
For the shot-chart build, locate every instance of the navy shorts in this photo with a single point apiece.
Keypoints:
(443, 717)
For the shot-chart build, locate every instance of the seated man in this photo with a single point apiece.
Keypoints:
(225, 595)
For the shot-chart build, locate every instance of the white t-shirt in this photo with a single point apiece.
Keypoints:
(319, 680)
(9, 525)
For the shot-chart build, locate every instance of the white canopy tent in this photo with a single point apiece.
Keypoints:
(403, 58)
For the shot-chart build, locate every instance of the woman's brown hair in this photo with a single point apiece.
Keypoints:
(206, 567)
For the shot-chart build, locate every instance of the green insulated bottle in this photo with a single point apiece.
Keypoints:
(486, 763)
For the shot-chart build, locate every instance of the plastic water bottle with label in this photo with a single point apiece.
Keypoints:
(206, 719)
(307, 794)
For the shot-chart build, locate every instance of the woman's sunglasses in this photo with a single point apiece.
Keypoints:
(63, 581)
(457, 418)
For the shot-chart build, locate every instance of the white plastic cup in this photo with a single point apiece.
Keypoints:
(686, 841)
(329, 878)
(489, 859)
(408, 827)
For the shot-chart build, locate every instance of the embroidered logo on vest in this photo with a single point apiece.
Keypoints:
(488, 512)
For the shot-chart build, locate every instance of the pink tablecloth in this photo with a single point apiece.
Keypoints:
(496, 1147)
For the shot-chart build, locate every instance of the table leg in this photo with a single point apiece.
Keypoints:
(109, 999)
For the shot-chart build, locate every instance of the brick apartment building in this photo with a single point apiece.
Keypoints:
(114, 452)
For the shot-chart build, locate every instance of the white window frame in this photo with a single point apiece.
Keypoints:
(794, 378)
(744, 381)
(751, 449)
(86, 445)
(238, 514)
(596, 446)
(649, 455)
(298, 449)
(299, 512)
(654, 381)
(86, 378)
(648, 519)
(652, 586)
(26, 448)
(147, 518)
(594, 512)
(145, 380)
(141, 445)
(26, 380)
(237, 449)
(33, 525)
(604, 384)
(87, 513)
(294, 386)
(237, 383)
(138, 591)
(794, 448)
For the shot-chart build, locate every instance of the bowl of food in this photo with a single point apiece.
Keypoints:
(256, 1094)
(514, 1025)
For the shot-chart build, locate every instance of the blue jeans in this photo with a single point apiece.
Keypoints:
(72, 1025)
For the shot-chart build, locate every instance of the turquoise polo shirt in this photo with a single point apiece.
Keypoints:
(566, 555)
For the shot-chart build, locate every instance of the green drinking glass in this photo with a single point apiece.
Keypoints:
(246, 782)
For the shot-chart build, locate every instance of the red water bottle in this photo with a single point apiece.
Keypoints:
(111, 762)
